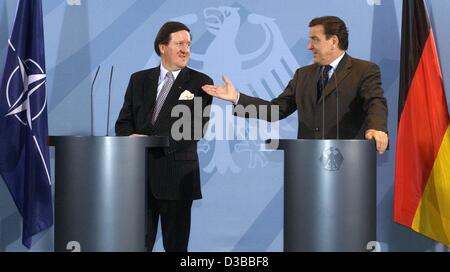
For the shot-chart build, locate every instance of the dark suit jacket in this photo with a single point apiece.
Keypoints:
(174, 171)
(362, 105)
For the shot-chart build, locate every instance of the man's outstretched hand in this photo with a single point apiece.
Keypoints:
(226, 91)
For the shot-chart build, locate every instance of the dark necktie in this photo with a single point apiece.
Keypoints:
(323, 80)
(162, 96)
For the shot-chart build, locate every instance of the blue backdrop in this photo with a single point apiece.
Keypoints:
(258, 44)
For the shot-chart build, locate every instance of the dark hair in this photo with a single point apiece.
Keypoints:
(163, 36)
(333, 25)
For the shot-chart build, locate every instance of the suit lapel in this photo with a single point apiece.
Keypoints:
(174, 93)
(342, 71)
(312, 85)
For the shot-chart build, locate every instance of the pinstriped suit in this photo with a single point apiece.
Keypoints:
(174, 171)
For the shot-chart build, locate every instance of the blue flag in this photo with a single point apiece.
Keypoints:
(24, 152)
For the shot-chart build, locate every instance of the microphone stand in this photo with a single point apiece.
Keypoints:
(337, 105)
(322, 83)
(92, 101)
(109, 100)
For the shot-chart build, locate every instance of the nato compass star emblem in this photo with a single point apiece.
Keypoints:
(331, 159)
(32, 77)
(22, 95)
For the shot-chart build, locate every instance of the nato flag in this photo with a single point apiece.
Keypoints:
(24, 153)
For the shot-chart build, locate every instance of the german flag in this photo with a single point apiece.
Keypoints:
(422, 165)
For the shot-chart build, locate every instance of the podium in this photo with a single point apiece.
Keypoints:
(329, 194)
(100, 192)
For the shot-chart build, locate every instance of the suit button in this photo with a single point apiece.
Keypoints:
(317, 129)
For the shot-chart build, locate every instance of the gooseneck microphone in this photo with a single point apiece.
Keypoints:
(337, 104)
(92, 101)
(322, 83)
(109, 100)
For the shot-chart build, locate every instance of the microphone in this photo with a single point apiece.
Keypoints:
(337, 105)
(92, 101)
(322, 83)
(109, 100)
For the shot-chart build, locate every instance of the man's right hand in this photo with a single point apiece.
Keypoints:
(226, 91)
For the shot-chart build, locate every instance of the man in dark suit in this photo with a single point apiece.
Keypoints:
(150, 99)
(362, 107)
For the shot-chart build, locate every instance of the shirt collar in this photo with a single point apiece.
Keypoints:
(164, 71)
(335, 62)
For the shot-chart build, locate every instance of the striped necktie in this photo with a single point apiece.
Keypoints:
(162, 96)
(323, 80)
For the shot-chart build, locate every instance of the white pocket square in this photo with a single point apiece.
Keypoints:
(186, 95)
